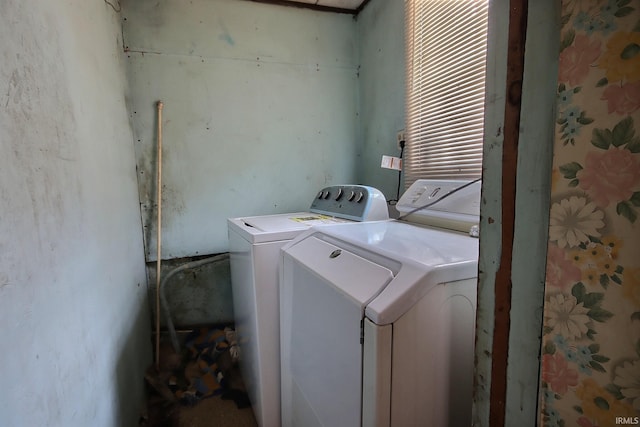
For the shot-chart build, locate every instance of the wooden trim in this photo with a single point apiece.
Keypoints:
(503, 284)
(362, 6)
(311, 6)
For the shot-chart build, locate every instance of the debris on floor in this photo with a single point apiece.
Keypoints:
(206, 368)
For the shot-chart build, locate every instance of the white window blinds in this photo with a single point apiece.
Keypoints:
(446, 44)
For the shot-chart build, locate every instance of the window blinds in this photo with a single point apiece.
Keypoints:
(446, 42)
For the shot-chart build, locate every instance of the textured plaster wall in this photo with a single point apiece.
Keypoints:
(260, 112)
(75, 332)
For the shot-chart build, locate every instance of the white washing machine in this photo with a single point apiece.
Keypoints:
(254, 246)
(378, 319)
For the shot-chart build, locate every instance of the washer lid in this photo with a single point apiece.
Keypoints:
(271, 228)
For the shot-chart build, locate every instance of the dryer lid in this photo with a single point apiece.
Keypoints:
(418, 257)
(323, 291)
(351, 275)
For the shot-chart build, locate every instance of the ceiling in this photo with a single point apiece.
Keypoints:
(340, 6)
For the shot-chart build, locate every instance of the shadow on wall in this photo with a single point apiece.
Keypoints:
(134, 358)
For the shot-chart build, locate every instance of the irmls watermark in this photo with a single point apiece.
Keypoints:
(629, 421)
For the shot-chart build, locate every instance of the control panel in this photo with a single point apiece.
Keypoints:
(451, 204)
(354, 202)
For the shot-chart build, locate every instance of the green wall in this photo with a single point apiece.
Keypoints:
(381, 91)
(260, 112)
(75, 321)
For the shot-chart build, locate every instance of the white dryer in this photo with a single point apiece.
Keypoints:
(254, 246)
(378, 319)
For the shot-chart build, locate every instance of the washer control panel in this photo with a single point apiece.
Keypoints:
(354, 202)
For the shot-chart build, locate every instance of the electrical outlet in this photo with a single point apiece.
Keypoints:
(401, 137)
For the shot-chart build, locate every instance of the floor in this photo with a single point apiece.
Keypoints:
(218, 412)
(163, 409)
(222, 411)
(206, 413)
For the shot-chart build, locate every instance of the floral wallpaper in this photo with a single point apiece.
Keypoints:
(590, 374)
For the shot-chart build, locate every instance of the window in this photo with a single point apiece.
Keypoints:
(446, 42)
